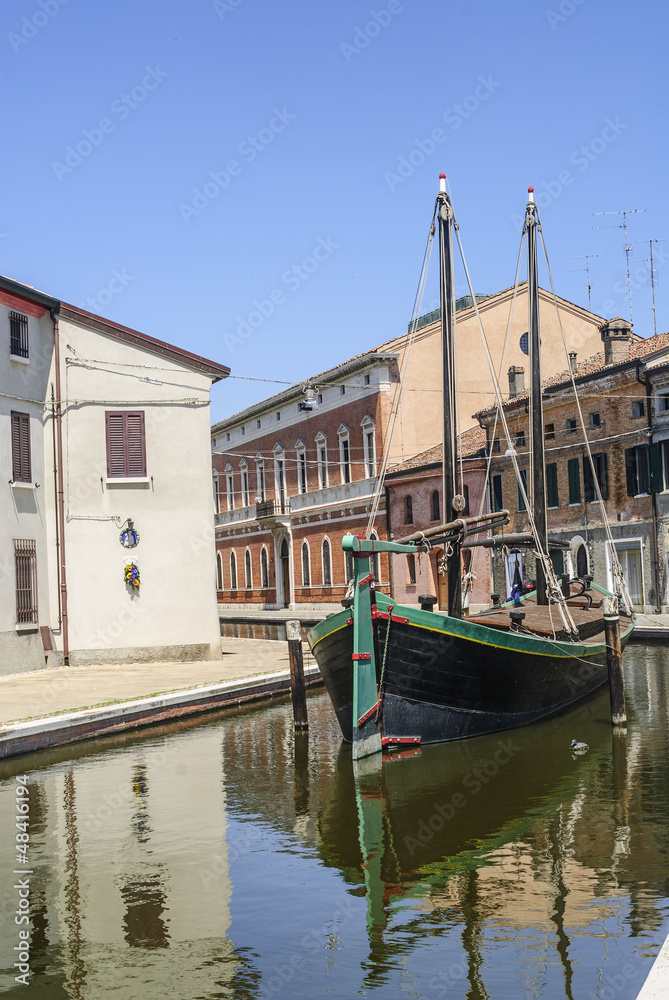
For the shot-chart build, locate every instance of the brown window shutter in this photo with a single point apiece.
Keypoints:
(135, 444)
(115, 424)
(21, 472)
(126, 447)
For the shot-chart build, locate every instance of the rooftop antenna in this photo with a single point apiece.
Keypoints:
(587, 257)
(652, 273)
(628, 246)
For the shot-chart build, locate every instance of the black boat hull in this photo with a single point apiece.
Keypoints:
(439, 686)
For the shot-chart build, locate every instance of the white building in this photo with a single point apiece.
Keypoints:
(104, 431)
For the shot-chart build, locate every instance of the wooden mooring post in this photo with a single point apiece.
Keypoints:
(297, 689)
(614, 660)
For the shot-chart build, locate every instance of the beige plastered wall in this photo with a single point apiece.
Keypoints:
(420, 421)
(173, 615)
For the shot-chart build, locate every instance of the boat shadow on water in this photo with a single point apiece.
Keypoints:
(439, 829)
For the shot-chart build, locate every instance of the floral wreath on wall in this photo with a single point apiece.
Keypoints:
(131, 575)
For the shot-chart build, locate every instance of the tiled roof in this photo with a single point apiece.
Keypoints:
(385, 348)
(470, 442)
(640, 348)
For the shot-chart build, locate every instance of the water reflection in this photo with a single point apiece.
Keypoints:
(232, 857)
(257, 630)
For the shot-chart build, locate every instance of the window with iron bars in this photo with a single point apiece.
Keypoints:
(18, 335)
(25, 559)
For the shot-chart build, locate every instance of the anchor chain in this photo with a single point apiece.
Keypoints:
(383, 663)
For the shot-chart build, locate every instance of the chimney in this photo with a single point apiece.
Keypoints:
(516, 381)
(617, 338)
(573, 363)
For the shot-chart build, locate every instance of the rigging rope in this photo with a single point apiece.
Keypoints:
(552, 585)
(616, 568)
(405, 361)
(502, 363)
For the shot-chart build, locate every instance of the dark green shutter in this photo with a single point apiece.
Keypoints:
(552, 485)
(574, 480)
(630, 472)
(588, 481)
(497, 498)
(521, 498)
(601, 465)
(656, 472)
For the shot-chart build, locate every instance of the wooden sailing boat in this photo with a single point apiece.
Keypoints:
(399, 674)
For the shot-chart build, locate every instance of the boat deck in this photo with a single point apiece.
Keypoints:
(546, 620)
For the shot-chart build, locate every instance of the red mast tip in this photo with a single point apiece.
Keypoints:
(442, 177)
(530, 190)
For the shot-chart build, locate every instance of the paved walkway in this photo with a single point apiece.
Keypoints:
(65, 689)
(48, 708)
(652, 627)
(277, 616)
(656, 986)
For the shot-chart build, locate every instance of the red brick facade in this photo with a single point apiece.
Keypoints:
(320, 471)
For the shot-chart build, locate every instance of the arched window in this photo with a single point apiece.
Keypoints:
(322, 452)
(327, 563)
(306, 565)
(279, 472)
(435, 505)
(217, 499)
(229, 487)
(233, 570)
(374, 560)
(260, 477)
(264, 569)
(301, 456)
(348, 567)
(244, 469)
(344, 453)
(581, 561)
(408, 509)
(369, 446)
(248, 582)
(219, 572)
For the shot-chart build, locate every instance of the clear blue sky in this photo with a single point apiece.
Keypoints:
(316, 105)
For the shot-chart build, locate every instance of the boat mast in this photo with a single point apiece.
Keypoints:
(447, 303)
(538, 493)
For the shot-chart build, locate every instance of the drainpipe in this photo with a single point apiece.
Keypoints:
(60, 496)
(390, 555)
(656, 558)
(55, 495)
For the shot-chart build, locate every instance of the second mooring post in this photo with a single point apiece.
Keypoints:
(297, 689)
(614, 659)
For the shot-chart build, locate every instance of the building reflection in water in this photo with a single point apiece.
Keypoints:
(496, 867)
(131, 890)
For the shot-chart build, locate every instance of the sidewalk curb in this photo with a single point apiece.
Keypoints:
(656, 986)
(90, 723)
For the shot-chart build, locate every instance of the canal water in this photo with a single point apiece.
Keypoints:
(228, 857)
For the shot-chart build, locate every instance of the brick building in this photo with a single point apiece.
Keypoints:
(624, 396)
(414, 491)
(289, 482)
